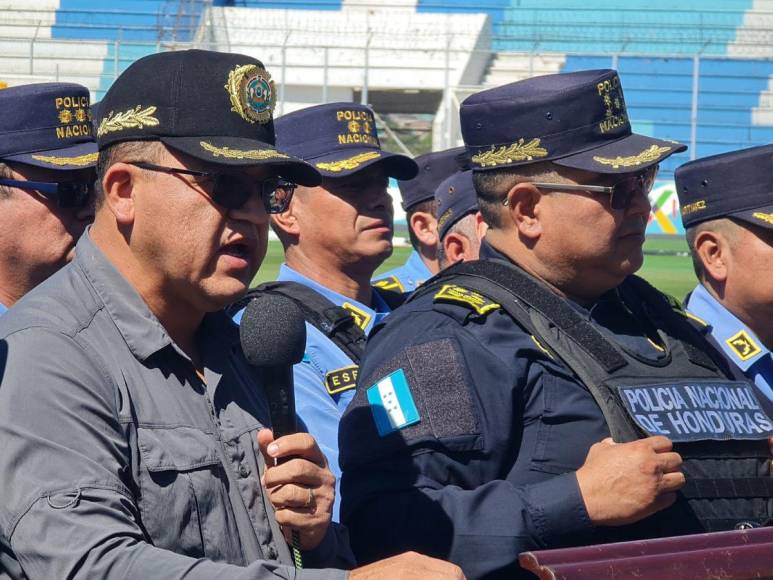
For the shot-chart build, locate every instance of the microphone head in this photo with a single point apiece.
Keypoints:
(272, 331)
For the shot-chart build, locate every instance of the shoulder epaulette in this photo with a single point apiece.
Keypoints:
(456, 294)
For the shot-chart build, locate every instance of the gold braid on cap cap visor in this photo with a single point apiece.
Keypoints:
(136, 118)
(652, 153)
(350, 163)
(256, 154)
(80, 160)
(518, 151)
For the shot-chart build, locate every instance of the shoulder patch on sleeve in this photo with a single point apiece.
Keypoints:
(743, 346)
(392, 404)
(460, 295)
(340, 380)
(390, 283)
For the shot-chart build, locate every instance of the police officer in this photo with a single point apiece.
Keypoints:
(460, 225)
(421, 214)
(47, 159)
(131, 425)
(482, 419)
(335, 236)
(727, 209)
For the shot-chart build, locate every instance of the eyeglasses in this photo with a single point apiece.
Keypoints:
(67, 194)
(232, 191)
(620, 194)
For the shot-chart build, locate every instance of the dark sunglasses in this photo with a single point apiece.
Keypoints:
(66, 194)
(232, 191)
(620, 194)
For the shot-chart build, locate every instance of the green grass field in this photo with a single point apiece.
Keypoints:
(670, 273)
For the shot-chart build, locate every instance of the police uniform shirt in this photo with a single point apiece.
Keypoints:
(3, 309)
(492, 429)
(405, 278)
(326, 377)
(118, 460)
(737, 341)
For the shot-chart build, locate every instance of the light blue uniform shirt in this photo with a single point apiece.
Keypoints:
(324, 379)
(2, 309)
(737, 340)
(405, 278)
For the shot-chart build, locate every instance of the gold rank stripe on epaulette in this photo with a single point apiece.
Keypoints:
(256, 154)
(136, 118)
(341, 380)
(743, 345)
(652, 153)
(391, 283)
(518, 151)
(80, 160)
(540, 346)
(460, 295)
(691, 316)
(361, 318)
(350, 163)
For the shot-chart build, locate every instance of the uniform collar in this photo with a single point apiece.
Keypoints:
(418, 269)
(365, 316)
(737, 340)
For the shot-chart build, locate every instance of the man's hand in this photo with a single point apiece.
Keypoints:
(408, 566)
(301, 487)
(622, 483)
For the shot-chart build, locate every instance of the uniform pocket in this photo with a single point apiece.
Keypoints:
(183, 497)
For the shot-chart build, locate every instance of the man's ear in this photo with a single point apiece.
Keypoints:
(457, 247)
(424, 227)
(713, 250)
(523, 209)
(287, 221)
(118, 187)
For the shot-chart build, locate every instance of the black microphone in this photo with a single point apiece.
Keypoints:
(273, 337)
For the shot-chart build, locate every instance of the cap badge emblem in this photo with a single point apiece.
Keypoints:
(252, 93)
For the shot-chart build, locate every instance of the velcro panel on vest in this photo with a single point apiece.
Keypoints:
(551, 306)
(439, 388)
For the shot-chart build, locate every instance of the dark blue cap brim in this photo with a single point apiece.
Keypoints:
(627, 155)
(241, 152)
(352, 160)
(761, 217)
(79, 156)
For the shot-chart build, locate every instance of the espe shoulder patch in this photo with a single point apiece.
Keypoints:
(340, 380)
(461, 295)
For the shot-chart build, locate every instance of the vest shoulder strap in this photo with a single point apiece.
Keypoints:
(334, 322)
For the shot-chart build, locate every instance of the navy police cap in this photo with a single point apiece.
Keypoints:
(456, 198)
(738, 184)
(47, 125)
(574, 119)
(433, 168)
(214, 106)
(339, 139)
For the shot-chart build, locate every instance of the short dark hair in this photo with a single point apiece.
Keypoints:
(427, 206)
(149, 151)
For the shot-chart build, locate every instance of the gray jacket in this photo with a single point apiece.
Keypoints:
(116, 460)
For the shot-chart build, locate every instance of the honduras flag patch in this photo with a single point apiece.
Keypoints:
(392, 404)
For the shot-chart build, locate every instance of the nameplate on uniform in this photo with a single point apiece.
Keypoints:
(696, 411)
(460, 295)
(392, 404)
(341, 380)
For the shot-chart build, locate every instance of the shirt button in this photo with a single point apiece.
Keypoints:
(244, 471)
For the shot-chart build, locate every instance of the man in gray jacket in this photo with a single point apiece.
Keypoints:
(132, 427)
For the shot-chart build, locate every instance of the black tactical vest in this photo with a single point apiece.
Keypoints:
(690, 395)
